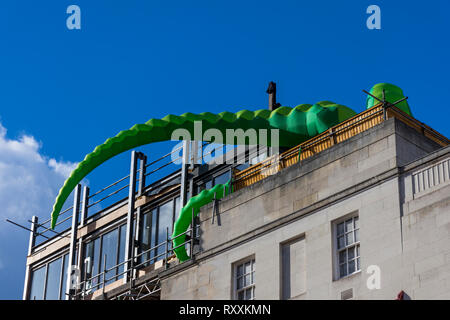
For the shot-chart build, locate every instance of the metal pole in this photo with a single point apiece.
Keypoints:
(230, 189)
(192, 235)
(167, 247)
(195, 159)
(184, 173)
(141, 186)
(130, 220)
(214, 207)
(104, 274)
(83, 293)
(83, 218)
(31, 243)
(73, 242)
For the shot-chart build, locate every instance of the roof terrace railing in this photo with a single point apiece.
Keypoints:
(110, 195)
(336, 134)
(90, 284)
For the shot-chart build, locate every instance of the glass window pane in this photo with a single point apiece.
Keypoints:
(242, 166)
(165, 221)
(340, 229)
(357, 250)
(154, 234)
(177, 208)
(253, 277)
(356, 235)
(240, 270)
(247, 268)
(96, 262)
(356, 221)
(209, 184)
(351, 253)
(351, 266)
(341, 243)
(358, 267)
(222, 179)
(63, 287)
(53, 280)
(122, 241)
(240, 282)
(348, 225)
(145, 243)
(109, 248)
(248, 294)
(342, 256)
(241, 295)
(349, 238)
(247, 280)
(37, 284)
(343, 270)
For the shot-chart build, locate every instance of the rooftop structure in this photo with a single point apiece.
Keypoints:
(369, 191)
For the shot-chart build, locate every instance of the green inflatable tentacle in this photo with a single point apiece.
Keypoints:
(392, 94)
(295, 125)
(192, 207)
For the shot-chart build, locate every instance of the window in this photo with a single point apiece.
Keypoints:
(347, 246)
(49, 281)
(293, 268)
(210, 182)
(154, 225)
(165, 220)
(37, 284)
(64, 277)
(244, 280)
(111, 244)
(53, 280)
(110, 247)
(261, 154)
(223, 178)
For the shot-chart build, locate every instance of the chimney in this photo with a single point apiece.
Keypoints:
(272, 91)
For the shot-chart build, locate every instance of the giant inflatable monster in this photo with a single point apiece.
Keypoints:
(295, 126)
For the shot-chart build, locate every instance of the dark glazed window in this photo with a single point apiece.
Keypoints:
(37, 284)
(110, 243)
(64, 277)
(53, 280)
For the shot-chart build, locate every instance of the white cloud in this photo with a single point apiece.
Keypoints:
(29, 181)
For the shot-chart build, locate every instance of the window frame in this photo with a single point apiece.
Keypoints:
(44, 264)
(355, 244)
(95, 274)
(235, 277)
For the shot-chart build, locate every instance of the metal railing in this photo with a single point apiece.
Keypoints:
(336, 134)
(86, 287)
(108, 196)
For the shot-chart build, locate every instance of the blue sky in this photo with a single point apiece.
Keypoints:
(62, 92)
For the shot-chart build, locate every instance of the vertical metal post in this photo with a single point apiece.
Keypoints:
(230, 189)
(195, 161)
(83, 218)
(104, 274)
(73, 242)
(142, 166)
(195, 158)
(31, 243)
(141, 186)
(384, 105)
(192, 235)
(83, 292)
(130, 221)
(214, 207)
(167, 248)
(184, 173)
